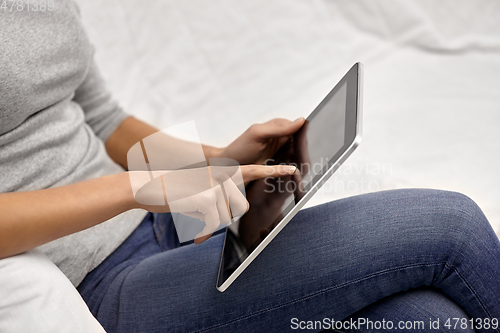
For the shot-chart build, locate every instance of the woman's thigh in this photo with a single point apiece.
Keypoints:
(329, 261)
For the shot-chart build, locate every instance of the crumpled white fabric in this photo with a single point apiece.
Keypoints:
(37, 297)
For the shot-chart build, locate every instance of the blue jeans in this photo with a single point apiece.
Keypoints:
(395, 255)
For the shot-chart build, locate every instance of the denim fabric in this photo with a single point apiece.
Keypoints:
(425, 304)
(398, 254)
(155, 234)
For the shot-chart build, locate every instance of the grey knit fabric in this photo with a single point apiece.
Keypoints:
(55, 115)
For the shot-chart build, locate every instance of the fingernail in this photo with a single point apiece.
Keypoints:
(290, 169)
(298, 119)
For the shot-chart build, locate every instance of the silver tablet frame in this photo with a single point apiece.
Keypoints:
(307, 196)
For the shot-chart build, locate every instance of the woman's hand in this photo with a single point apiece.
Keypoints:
(261, 141)
(209, 194)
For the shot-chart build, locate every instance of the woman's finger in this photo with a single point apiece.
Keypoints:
(212, 221)
(237, 201)
(222, 206)
(276, 128)
(254, 171)
(196, 215)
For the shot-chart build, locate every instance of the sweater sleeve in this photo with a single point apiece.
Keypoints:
(102, 113)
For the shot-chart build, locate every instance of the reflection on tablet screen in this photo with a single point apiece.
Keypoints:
(311, 149)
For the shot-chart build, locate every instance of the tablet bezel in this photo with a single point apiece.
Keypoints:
(356, 73)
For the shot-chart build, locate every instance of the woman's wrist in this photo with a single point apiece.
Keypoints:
(127, 196)
(126, 193)
(212, 152)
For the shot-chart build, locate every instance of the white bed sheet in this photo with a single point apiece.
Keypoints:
(432, 79)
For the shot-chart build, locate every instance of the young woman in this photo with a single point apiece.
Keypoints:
(406, 255)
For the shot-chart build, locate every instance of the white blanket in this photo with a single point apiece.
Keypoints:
(35, 296)
(432, 70)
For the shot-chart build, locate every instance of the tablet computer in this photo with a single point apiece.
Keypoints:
(329, 135)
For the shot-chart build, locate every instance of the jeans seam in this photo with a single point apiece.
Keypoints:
(470, 288)
(463, 242)
(118, 312)
(158, 232)
(318, 293)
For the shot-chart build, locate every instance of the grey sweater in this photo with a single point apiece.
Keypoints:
(55, 115)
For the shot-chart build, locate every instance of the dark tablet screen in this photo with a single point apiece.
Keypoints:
(327, 133)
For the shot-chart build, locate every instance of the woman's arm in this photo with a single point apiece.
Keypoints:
(254, 146)
(30, 219)
(132, 130)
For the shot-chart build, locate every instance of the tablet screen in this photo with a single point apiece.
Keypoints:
(326, 135)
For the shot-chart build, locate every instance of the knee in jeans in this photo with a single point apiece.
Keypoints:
(446, 210)
(459, 212)
(466, 210)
